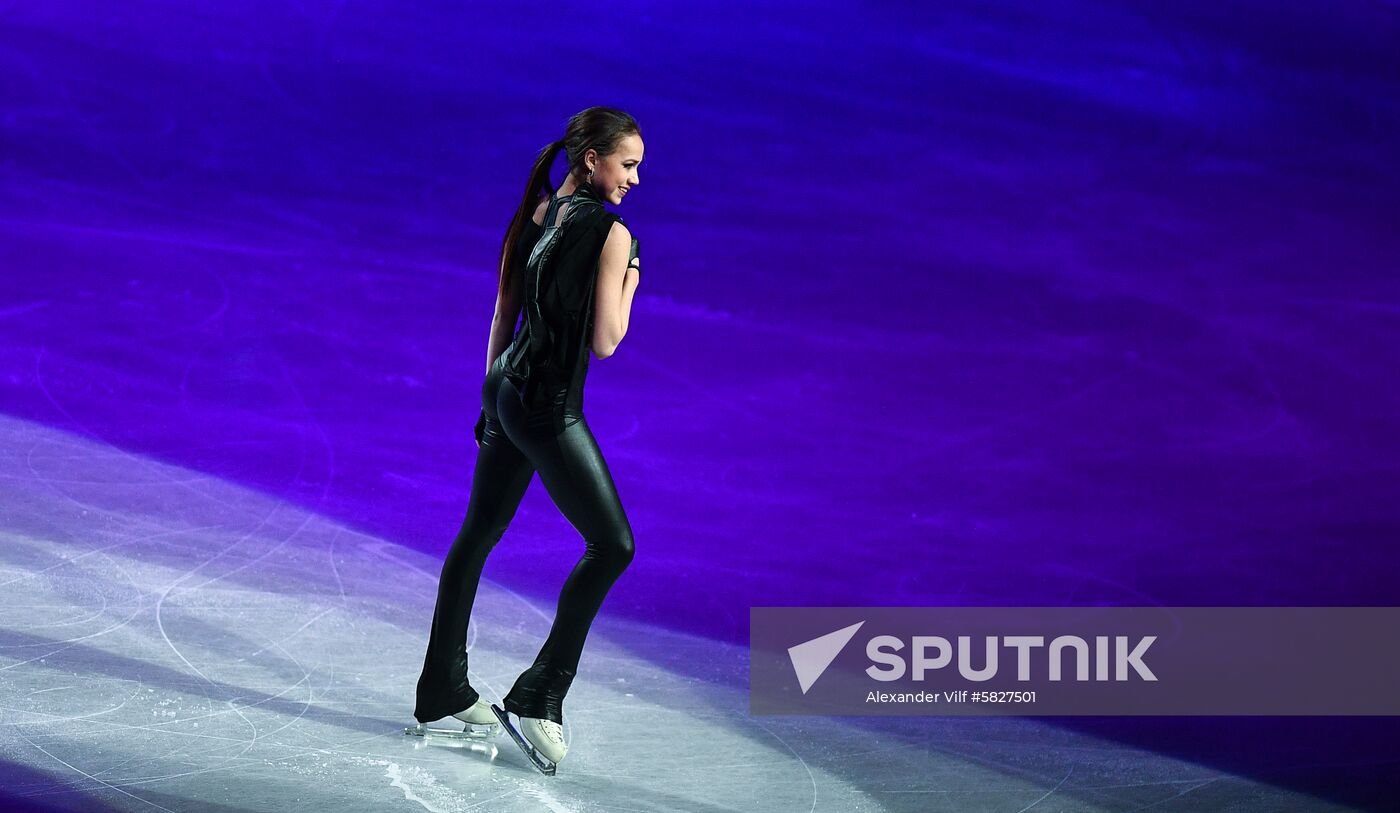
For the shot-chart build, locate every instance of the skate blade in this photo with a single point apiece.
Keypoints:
(545, 766)
(472, 731)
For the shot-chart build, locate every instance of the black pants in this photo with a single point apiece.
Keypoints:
(516, 444)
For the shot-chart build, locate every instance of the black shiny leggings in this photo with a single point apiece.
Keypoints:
(514, 446)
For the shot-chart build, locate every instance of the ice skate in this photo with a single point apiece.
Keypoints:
(477, 723)
(542, 740)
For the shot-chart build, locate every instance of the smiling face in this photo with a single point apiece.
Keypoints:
(615, 174)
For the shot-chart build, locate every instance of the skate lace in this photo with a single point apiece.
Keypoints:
(552, 730)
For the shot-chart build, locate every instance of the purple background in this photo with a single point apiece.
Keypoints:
(977, 304)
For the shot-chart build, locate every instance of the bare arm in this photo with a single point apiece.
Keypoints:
(508, 307)
(613, 296)
(502, 330)
(629, 287)
(502, 326)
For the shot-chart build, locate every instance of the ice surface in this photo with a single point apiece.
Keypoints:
(175, 642)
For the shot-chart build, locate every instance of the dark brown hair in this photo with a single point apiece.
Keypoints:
(598, 128)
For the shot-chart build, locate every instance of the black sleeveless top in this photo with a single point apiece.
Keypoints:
(556, 266)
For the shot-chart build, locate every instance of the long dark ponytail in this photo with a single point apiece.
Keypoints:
(597, 128)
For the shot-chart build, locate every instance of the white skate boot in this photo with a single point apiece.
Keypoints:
(480, 723)
(541, 740)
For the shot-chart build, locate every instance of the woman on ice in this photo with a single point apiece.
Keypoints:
(570, 268)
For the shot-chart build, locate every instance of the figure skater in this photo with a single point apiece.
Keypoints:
(571, 268)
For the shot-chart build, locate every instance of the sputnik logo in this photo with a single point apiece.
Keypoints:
(811, 658)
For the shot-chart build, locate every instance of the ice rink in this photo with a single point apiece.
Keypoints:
(965, 304)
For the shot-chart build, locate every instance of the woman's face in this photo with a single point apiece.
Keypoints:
(614, 174)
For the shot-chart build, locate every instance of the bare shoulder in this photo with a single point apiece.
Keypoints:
(619, 232)
(616, 247)
(540, 207)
